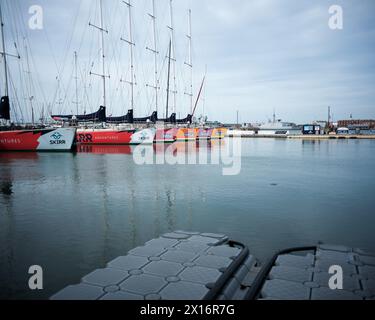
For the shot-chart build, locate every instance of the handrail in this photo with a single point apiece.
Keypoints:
(228, 273)
(261, 277)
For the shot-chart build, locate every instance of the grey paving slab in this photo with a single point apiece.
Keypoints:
(178, 256)
(111, 288)
(369, 286)
(283, 289)
(241, 273)
(121, 295)
(162, 242)
(231, 288)
(143, 284)
(79, 291)
(148, 251)
(349, 283)
(367, 271)
(224, 251)
(196, 247)
(368, 260)
(206, 240)
(328, 294)
(184, 290)
(338, 256)
(213, 261)
(324, 265)
(175, 235)
(249, 279)
(214, 235)
(333, 247)
(295, 261)
(128, 262)
(105, 277)
(290, 273)
(250, 262)
(240, 294)
(200, 274)
(187, 232)
(163, 268)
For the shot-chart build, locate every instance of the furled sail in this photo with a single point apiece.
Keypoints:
(171, 119)
(153, 118)
(188, 119)
(98, 116)
(4, 108)
(128, 118)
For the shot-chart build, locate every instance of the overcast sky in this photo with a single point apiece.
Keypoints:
(260, 55)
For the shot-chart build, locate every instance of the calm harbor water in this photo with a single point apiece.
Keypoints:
(72, 212)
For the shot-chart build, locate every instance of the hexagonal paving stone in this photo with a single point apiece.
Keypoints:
(121, 295)
(283, 289)
(367, 271)
(329, 294)
(224, 251)
(332, 247)
(162, 242)
(338, 256)
(190, 233)
(295, 261)
(192, 246)
(148, 251)
(128, 262)
(349, 283)
(143, 284)
(231, 288)
(183, 290)
(178, 256)
(79, 292)
(105, 277)
(174, 235)
(213, 261)
(290, 273)
(200, 274)
(370, 260)
(369, 286)
(347, 268)
(163, 268)
(206, 240)
(213, 235)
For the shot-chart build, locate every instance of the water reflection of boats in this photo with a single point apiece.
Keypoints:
(18, 155)
(104, 149)
(158, 148)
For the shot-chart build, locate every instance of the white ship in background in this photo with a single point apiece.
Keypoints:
(278, 127)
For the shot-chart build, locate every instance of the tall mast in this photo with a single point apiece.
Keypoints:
(131, 44)
(102, 30)
(155, 51)
(190, 63)
(169, 71)
(30, 87)
(172, 55)
(76, 79)
(4, 53)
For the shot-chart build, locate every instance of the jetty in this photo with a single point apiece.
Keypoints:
(332, 136)
(184, 265)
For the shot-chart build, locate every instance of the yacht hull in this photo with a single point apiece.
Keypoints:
(59, 139)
